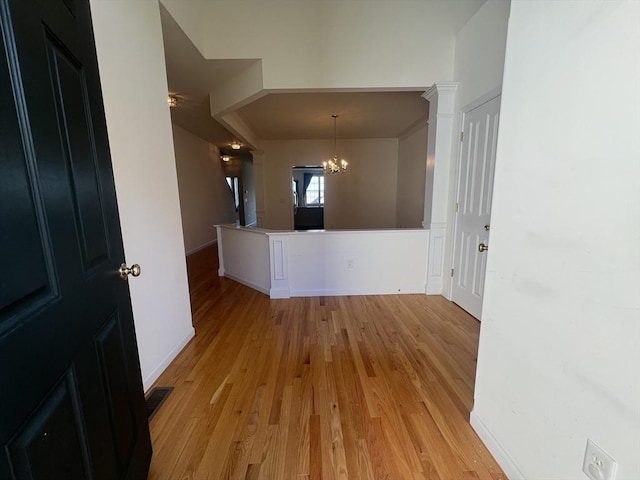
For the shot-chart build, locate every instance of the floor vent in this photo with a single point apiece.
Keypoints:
(155, 399)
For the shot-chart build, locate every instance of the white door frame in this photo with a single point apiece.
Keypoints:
(440, 144)
(487, 97)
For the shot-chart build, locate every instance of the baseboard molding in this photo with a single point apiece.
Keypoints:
(279, 293)
(502, 457)
(202, 247)
(248, 283)
(409, 289)
(148, 381)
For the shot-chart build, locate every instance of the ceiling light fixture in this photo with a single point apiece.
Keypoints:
(334, 165)
(226, 158)
(235, 145)
(172, 100)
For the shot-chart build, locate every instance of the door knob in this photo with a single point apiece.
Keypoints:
(126, 271)
(487, 227)
(483, 248)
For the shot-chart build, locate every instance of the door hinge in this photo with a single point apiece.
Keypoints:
(452, 272)
(457, 207)
(462, 136)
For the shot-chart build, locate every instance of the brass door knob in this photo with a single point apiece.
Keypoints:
(126, 271)
(483, 248)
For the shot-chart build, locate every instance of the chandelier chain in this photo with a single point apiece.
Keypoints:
(334, 165)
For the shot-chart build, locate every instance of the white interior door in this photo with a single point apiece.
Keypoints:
(474, 192)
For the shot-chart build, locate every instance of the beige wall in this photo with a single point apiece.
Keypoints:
(134, 86)
(205, 199)
(412, 166)
(363, 197)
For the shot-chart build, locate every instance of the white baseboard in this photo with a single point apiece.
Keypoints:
(502, 457)
(202, 247)
(279, 293)
(407, 289)
(248, 283)
(155, 374)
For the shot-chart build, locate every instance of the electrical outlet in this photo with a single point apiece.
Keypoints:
(598, 464)
(351, 263)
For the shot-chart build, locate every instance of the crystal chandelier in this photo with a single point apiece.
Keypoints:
(335, 165)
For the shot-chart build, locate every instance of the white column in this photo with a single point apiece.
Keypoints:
(441, 98)
(258, 178)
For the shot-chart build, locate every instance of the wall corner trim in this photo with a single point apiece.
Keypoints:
(202, 247)
(509, 467)
(148, 381)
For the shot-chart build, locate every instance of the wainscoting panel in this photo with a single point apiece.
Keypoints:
(435, 275)
(325, 263)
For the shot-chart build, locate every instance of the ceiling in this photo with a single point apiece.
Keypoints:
(360, 114)
(302, 115)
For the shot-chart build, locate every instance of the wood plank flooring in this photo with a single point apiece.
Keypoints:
(371, 387)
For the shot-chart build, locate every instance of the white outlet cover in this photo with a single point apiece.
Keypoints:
(598, 464)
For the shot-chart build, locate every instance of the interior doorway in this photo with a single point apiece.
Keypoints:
(235, 185)
(476, 166)
(307, 185)
(238, 172)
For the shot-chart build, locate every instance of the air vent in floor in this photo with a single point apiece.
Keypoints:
(155, 399)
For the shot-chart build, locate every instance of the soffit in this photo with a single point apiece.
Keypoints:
(360, 114)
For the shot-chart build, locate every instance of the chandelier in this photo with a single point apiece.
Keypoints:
(335, 165)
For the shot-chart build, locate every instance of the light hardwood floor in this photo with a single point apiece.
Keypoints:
(371, 387)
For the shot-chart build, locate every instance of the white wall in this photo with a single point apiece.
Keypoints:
(412, 166)
(365, 262)
(134, 87)
(478, 70)
(363, 197)
(205, 198)
(191, 16)
(559, 357)
(299, 264)
(479, 53)
(244, 256)
(337, 44)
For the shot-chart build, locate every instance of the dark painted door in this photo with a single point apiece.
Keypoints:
(71, 400)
